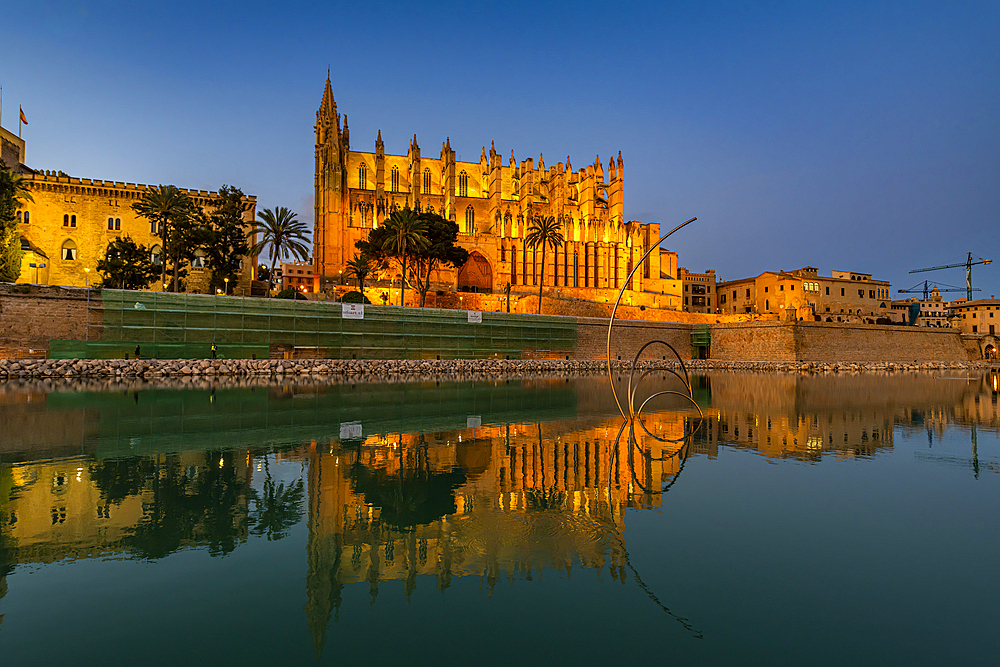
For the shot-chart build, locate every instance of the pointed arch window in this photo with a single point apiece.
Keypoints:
(156, 255)
(68, 250)
(470, 219)
(463, 185)
(363, 176)
(427, 181)
(395, 178)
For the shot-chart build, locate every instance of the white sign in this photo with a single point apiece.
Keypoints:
(475, 317)
(353, 311)
(350, 430)
(474, 422)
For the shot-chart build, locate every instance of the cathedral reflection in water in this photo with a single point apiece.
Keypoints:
(416, 483)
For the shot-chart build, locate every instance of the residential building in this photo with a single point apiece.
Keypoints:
(844, 296)
(299, 276)
(700, 294)
(981, 316)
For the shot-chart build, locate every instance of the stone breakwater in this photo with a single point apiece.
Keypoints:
(414, 369)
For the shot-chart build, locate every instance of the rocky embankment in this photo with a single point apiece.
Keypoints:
(409, 369)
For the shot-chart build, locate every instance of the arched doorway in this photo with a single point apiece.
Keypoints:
(475, 275)
(990, 352)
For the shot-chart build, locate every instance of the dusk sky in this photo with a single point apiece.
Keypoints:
(857, 136)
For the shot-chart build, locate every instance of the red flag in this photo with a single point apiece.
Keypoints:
(23, 119)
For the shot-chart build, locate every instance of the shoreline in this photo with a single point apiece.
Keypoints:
(401, 370)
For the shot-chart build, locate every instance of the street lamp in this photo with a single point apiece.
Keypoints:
(226, 280)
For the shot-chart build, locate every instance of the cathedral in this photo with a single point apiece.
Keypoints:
(493, 204)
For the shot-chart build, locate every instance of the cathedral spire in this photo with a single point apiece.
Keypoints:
(328, 106)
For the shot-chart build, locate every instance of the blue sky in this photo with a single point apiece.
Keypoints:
(859, 136)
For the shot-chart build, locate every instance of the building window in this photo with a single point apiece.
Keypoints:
(198, 261)
(154, 227)
(463, 185)
(828, 291)
(395, 178)
(793, 288)
(974, 328)
(19, 216)
(156, 255)
(72, 221)
(470, 220)
(841, 291)
(765, 289)
(781, 288)
(363, 176)
(748, 293)
(65, 219)
(27, 218)
(69, 250)
(427, 181)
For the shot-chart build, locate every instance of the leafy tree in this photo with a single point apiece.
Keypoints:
(172, 211)
(223, 236)
(12, 194)
(354, 296)
(126, 265)
(360, 267)
(544, 231)
(289, 293)
(282, 233)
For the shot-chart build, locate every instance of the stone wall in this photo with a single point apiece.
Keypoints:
(32, 315)
(823, 341)
(753, 341)
(628, 337)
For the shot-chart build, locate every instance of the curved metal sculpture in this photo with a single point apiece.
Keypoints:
(634, 416)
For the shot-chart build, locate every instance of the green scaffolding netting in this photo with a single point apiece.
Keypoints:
(186, 325)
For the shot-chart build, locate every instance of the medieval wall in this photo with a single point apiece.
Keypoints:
(31, 316)
(821, 341)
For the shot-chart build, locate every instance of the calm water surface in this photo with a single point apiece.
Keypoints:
(804, 520)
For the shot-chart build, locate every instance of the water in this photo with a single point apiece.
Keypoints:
(805, 520)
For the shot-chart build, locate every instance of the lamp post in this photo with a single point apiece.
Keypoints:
(226, 280)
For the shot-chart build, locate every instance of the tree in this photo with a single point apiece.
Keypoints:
(126, 265)
(171, 211)
(12, 194)
(544, 231)
(360, 267)
(282, 232)
(405, 228)
(441, 250)
(223, 236)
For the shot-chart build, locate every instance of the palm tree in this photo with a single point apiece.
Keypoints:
(406, 229)
(167, 207)
(544, 231)
(361, 266)
(285, 234)
(21, 192)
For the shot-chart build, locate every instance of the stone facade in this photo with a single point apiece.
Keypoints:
(700, 293)
(822, 342)
(493, 204)
(31, 316)
(845, 296)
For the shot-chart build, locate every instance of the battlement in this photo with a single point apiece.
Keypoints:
(54, 177)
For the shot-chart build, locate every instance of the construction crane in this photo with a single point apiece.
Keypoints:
(968, 264)
(926, 289)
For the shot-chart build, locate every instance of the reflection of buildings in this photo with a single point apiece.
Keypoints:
(522, 498)
(804, 416)
(77, 507)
